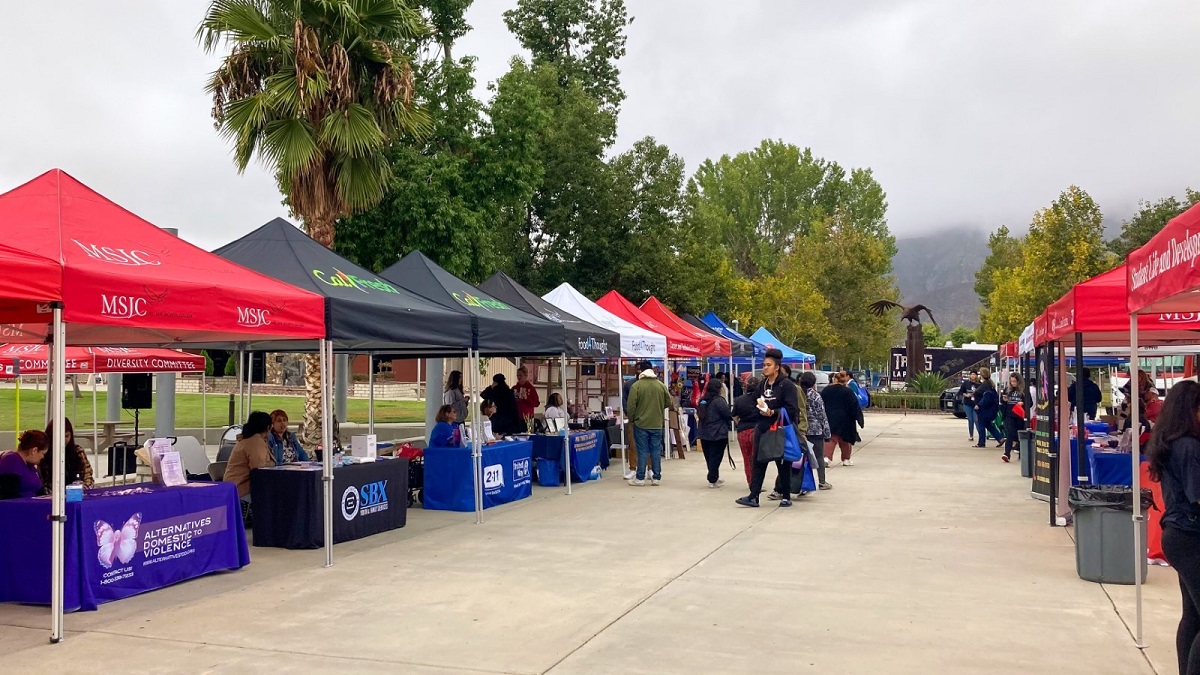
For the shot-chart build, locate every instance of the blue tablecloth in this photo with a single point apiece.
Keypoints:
(586, 449)
(507, 476)
(1110, 468)
(121, 542)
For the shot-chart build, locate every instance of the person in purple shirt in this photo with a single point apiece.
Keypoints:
(24, 461)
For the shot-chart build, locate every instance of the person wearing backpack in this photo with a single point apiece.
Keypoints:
(715, 418)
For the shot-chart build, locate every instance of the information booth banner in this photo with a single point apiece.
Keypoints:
(507, 476)
(121, 542)
(1044, 434)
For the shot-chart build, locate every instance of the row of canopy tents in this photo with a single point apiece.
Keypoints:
(1153, 300)
(83, 271)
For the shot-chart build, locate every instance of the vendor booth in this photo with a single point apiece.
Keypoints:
(790, 355)
(678, 344)
(125, 282)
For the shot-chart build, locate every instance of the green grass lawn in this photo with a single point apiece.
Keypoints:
(188, 409)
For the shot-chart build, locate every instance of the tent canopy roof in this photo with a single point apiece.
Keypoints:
(678, 344)
(362, 311)
(29, 280)
(35, 360)
(764, 337)
(722, 328)
(497, 328)
(710, 344)
(737, 347)
(584, 340)
(636, 341)
(1097, 308)
(127, 282)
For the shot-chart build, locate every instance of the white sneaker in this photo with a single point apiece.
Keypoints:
(636, 483)
(719, 482)
(631, 475)
(654, 481)
(830, 463)
(848, 462)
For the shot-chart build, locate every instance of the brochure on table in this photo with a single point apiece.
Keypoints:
(166, 467)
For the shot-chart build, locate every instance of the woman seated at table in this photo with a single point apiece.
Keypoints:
(23, 462)
(79, 469)
(284, 445)
(445, 431)
(250, 453)
(554, 408)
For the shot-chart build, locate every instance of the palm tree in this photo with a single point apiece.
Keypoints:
(317, 90)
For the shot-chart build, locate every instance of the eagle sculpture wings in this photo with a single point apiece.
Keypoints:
(909, 314)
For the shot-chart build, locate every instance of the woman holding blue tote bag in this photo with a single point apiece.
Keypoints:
(778, 399)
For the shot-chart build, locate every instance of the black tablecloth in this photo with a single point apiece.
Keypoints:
(368, 499)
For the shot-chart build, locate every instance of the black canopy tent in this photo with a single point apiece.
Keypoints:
(363, 313)
(497, 329)
(583, 340)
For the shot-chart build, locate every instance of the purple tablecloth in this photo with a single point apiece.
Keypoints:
(121, 541)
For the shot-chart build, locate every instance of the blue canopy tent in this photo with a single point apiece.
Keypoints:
(764, 337)
(714, 322)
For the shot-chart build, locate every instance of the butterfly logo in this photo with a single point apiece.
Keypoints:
(117, 544)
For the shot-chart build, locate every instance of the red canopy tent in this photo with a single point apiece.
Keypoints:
(678, 344)
(1098, 309)
(29, 280)
(710, 345)
(35, 360)
(126, 282)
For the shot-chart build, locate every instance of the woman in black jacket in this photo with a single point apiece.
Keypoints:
(841, 406)
(715, 418)
(987, 405)
(506, 420)
(745, 409)
(1014, 417)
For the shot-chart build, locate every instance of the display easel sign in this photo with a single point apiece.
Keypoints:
(171, 467)
(157, 447)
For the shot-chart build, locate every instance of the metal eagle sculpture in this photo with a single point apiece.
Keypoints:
(914, 343)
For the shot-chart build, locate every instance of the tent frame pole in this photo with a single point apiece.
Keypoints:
(58, 498)
(1139, 558)
(562, 432)
(371, 392)
(327, 450)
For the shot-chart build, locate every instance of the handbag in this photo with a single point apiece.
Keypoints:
(771, 442)
(792, 450)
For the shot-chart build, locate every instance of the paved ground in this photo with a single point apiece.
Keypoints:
(928, 556)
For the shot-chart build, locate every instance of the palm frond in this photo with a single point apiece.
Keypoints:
(362, 181)
(236, 21)
(352, 132)
(291, 145)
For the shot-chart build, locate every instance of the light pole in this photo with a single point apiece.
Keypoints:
(735, 326)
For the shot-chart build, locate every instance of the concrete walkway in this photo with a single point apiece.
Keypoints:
(926, 557)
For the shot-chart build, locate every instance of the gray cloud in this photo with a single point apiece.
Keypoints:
(969, 113)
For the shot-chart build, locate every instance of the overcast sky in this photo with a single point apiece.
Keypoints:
(971, 114)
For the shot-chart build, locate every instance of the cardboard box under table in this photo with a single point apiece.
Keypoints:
(121, 541)
(368, 498)
(507, 476)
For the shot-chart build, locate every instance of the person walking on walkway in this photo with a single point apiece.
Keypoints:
(648, 398)
(715, 417)
(987, 406)
(818, 425)
(1013, 404)
(845, 418)
(966, 394)
(1173, 455)
(774, 393)
(745, 409)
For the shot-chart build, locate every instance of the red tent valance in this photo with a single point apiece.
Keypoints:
(710, 345)
(1097, 308)
(1162, 276)
(677, 344)
(35, 360)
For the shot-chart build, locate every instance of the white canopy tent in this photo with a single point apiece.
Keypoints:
(636, 342)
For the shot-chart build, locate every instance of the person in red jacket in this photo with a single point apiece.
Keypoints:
(527, 396)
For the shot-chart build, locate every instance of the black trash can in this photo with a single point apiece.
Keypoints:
(1104, 533)
(1025, 442)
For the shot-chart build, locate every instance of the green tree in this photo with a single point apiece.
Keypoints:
(1065, 246)
(1004, 253)
(933, 335)
(961, 335)
(789, 303)
(316, 89)
(1149, 220)
(581, 39)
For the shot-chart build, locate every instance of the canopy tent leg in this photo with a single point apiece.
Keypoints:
(241, 413)
(57, 498)
(476, 436)
(95, 430)
(1064, 439)
(1135, 456)
(1081, 471)
(562, 365)
(371, 393)
(249, 381)
(17, 406)
(204, 410)
(327, 449)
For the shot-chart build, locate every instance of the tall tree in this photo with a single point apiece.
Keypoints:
(1004, 253)
(316, 89)
(961, 335)
(581, 39)
(1149, 220)
(1065, 246)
